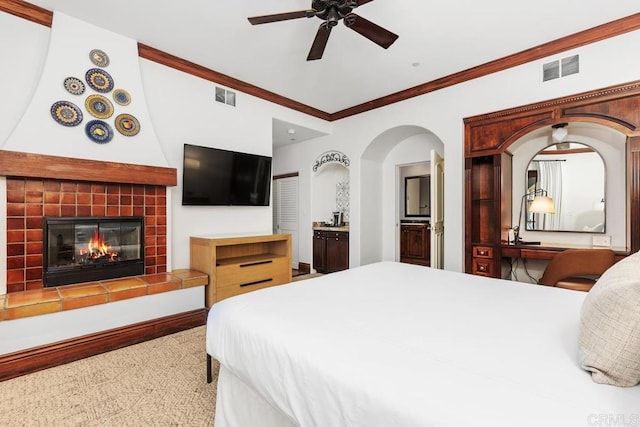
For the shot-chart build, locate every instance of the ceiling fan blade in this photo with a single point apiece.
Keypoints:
(361, 2)
(320, 42)
(265, 19)
(373, 32)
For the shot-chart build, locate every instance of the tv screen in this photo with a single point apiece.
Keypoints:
(215, 177)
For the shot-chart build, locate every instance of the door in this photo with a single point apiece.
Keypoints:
(437, 210)
(319, 251)
(286, 212)
(337, 256)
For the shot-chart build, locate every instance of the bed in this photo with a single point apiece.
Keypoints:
(391, 344)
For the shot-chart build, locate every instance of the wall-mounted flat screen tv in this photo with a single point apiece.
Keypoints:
(215, 177)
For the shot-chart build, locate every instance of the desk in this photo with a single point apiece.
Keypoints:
(546, 251)
(543, 252)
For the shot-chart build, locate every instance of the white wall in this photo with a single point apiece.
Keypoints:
(442, 112)
(324, 191)
(23, 44)
(181, 109)
(67, 55)
(28, 332)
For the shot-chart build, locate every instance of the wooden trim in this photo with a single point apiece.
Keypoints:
(611, 29)
(304, 268)
(286, 175)
(633, 171)
(153, 54)
(44, 17)
(592, 35)
(27, 11)
(615, 107)
(31, 165)
(557, 105)
(38, 358)
(568, 151)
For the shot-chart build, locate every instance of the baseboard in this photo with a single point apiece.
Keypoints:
(304, 268)
(47, 356)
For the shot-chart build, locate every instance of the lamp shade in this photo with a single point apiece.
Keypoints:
(542, 204)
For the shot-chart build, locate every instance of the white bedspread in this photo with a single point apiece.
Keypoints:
(393, 344)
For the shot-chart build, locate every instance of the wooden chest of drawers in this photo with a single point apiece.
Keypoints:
(236, 265)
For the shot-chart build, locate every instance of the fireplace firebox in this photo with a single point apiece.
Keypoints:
(85, 249)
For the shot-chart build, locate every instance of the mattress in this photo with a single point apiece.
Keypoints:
(391, 344)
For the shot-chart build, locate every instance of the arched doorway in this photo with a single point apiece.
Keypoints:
(380, 192)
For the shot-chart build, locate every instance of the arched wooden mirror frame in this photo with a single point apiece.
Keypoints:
(488, 178)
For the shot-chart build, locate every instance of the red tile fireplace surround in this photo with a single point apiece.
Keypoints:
(30, 200)
(39, 186)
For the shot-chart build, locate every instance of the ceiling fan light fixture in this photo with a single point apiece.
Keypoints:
(333, 17)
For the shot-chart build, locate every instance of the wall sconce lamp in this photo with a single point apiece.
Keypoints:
(559, 132)
(541, 204)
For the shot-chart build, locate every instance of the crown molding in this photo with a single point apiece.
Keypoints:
(164, 58)
(583, 38)
(27, 11)
(615, 28)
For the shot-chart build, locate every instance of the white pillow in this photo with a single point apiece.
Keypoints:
(609, 341)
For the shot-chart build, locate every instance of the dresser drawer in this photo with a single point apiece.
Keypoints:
(237, 289)
(482, 252)
(251, 271)
(538, 254)
(482, 267)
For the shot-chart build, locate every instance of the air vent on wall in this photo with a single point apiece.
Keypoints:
(561, 68)
(225, 96)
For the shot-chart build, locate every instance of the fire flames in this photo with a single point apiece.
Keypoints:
(97, 249)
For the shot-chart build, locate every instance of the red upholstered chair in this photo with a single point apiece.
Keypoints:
(577, 269)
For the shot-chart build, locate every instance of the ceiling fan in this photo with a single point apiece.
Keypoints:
(331, 12)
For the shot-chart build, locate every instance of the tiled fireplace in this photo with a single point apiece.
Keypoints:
(30, 200)
(82, 249)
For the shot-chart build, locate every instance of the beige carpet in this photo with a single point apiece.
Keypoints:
(156, 383)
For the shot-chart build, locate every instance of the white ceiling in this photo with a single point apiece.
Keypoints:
(443, 37)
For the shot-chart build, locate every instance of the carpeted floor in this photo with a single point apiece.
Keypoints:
(156, 383)
(161, 382)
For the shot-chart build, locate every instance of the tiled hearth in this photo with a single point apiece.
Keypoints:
(29, 200)
(40, 186)
(36, 302)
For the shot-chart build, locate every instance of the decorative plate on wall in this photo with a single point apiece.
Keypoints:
(99, 57)
(74, 85)
(99, 80)
(66, 113)
(99, 131)
(122, 97)
(127, 124)
(99, 106)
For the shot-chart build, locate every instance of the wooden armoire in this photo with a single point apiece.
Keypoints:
(488, 177)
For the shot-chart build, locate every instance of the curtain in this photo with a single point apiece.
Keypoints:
(550, 180)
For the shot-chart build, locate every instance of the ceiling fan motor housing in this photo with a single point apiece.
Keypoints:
(333, 10)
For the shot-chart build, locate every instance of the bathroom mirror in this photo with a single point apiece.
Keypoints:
(573, 175)
(417, 196)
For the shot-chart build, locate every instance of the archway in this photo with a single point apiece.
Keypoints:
(610, 144)
(400, 145)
